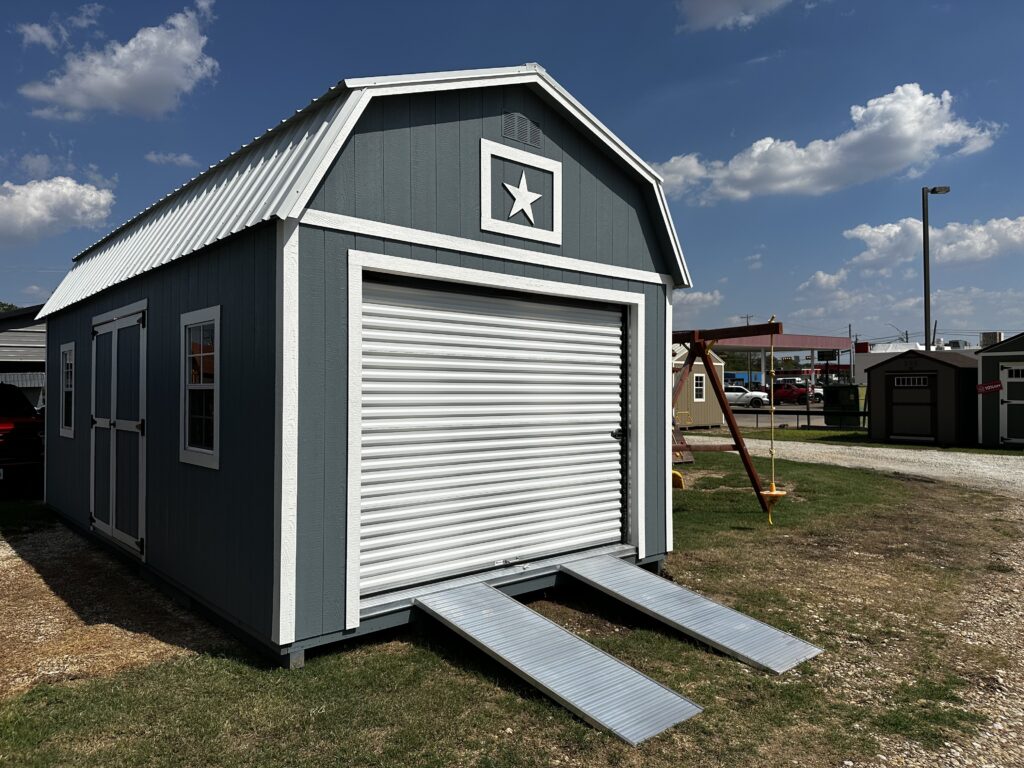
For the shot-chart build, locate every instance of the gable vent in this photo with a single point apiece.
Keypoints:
(518, 127)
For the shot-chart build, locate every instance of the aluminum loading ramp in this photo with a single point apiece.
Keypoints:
(731, 632)
(588, 682)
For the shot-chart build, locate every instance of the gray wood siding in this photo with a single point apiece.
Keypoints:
(414, 161)
(323, 407)
(210, 532)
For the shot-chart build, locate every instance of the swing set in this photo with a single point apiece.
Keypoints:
(699, 343)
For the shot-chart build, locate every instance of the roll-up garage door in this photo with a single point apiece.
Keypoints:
(490, 432)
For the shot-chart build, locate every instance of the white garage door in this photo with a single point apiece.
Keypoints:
(487, 432)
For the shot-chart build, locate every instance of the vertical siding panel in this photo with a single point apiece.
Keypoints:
(423, 144)
(309, 577)
(588, 205)
(448, 164)
(335, 430)
(368, 146)
(620, 232)
(397, 147)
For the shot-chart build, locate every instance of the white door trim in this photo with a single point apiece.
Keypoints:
(361, 261)
(112, 322)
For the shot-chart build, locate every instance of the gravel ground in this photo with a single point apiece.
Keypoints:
(986, 472)
(995, 616)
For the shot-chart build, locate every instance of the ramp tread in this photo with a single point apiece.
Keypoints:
(719, 626)
(588, 682)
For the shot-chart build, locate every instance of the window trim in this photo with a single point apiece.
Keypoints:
(186, 453)
(63, 430)
(703, 388)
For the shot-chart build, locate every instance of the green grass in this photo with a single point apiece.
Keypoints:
(860, 563)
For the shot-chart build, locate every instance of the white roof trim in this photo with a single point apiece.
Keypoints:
(277, 174)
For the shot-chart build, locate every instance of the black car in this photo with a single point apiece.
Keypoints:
(21, 445)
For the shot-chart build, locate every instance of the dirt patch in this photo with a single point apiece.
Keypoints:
(71, 610)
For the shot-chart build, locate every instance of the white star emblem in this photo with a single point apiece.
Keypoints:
(523, 198)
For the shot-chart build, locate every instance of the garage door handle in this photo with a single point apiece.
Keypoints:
(618, 435)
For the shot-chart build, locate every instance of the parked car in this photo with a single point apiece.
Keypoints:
(790, 393)
(741, 396)
(21, 445)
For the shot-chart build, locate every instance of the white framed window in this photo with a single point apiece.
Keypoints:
(67, 389)
(914, 382)
(200, 388)
(698, 387)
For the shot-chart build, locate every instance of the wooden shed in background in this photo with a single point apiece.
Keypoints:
(697, 406)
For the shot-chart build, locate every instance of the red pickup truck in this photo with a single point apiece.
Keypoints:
(790, 393)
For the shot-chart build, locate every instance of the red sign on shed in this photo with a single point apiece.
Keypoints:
(989, 386)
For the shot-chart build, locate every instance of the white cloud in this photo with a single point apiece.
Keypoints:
(900, 241)
(690, 299)
(725, 14)
(86, 16)
(36, 166)
(35, 291)
(37, 34)
(903, 131)
(754, 261)
(48, 207)
(184, 159)
(146, 76)
(823, 281)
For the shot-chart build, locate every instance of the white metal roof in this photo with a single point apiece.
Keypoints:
(277, 173)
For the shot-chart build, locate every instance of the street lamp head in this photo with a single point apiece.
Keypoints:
(938, 190)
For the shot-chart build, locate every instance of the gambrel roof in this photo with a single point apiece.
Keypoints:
(276, 175)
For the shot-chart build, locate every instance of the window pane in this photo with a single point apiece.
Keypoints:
(207, 369)
(208, 338)
(194, 375)
(194, 339)
(66, 414)
(200, 419)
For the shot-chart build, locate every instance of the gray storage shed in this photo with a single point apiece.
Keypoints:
(416, 333)
(1001, 409)
(923, 397)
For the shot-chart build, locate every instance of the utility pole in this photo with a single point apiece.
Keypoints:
(925, 191)
(747, 319)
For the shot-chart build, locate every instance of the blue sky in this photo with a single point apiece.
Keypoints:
(794, 136)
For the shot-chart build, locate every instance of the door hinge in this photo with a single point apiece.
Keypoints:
(141, 426)
(618, 434)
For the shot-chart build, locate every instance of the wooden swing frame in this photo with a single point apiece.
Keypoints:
(700, 343)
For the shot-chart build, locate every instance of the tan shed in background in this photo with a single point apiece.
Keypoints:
(698, 406)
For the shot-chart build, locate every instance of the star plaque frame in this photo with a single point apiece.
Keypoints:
(489, 150)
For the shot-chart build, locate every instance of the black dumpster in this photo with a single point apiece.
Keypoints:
(842, 405)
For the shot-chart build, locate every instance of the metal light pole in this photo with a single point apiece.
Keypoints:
(925, 191)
